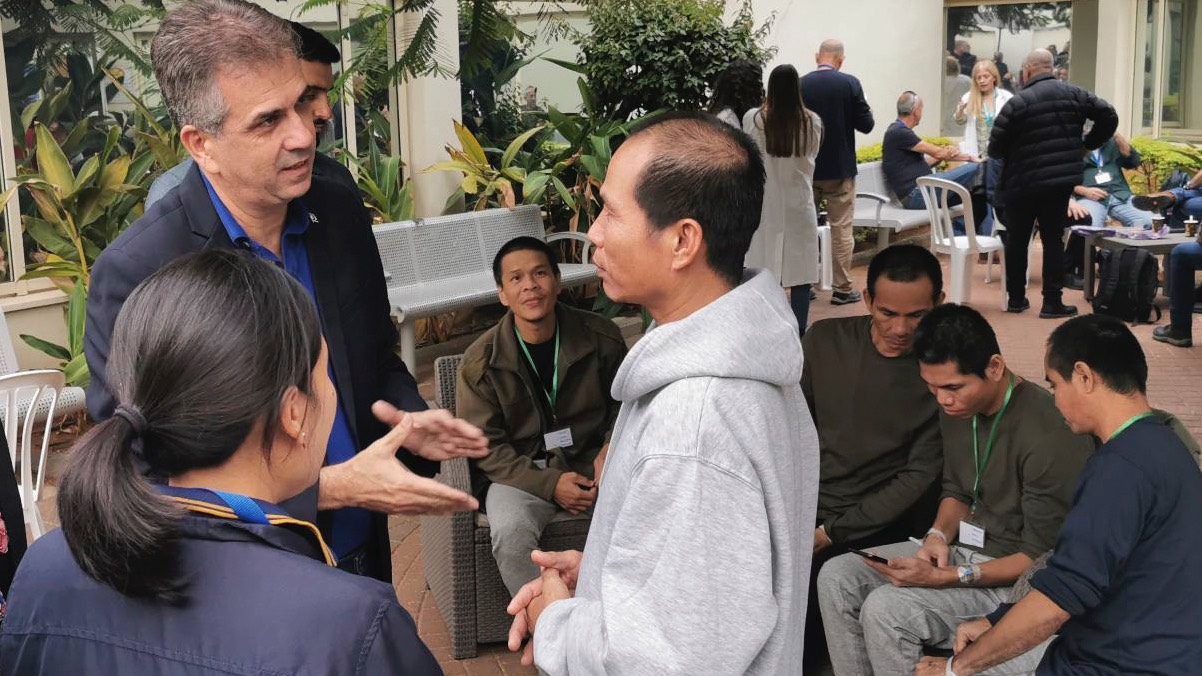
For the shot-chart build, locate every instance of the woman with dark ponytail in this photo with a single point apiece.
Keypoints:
(224, 389)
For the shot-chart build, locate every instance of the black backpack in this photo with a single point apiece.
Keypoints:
(1128, 281)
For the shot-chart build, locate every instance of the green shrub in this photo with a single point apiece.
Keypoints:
(1158, 159)
(648, 55)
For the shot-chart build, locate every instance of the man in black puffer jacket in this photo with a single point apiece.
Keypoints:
(1039, 136)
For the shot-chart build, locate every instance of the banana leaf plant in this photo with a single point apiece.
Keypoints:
(489, 185)
(71, 356)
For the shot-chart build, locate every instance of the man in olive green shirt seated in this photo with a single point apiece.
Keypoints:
(1010, 467)
(878, 426)
(538, 385)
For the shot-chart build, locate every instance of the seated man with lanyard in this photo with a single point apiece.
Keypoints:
(878, 426)
(1010, 464)
(1121, 588)
(1180, 203)
(905, 158)
(1103, 194)
(538, 384)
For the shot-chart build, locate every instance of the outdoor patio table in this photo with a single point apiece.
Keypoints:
(1117, 239)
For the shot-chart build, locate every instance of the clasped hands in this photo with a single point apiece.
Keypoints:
(556, 582)
(375, 479)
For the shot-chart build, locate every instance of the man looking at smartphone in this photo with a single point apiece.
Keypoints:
(1010, 465)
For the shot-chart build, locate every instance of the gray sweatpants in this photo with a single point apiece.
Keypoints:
(873, 627)
(516, 520)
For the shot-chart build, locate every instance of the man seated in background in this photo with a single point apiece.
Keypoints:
(1180, 203)
(538, 385)
(878, 426)
(905, 158)
(1010, 466)
(1122, 587)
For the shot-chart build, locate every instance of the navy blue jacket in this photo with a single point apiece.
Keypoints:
(1127, 562)
(838, 99)
(262, 600)
(348, 277)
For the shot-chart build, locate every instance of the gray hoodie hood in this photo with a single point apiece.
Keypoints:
(748, 333)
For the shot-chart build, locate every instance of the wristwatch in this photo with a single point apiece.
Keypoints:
(968, 573)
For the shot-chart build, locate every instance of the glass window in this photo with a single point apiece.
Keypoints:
(1003, 34)
(1181, 93)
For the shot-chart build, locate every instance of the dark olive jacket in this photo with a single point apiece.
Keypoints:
(497, 393)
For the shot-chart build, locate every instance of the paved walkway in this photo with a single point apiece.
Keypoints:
(1174, 377)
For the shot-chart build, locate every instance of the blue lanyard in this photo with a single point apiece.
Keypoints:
(247, 509)
(1097, 157)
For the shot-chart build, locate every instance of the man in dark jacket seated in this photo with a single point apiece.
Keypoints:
(538, 384)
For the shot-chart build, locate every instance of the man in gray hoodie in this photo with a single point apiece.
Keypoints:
(699, 550)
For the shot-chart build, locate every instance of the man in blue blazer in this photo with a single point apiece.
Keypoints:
(245, 116)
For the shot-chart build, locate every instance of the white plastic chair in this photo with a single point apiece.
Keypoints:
(826, 266)
(18, 427)
(936, 193)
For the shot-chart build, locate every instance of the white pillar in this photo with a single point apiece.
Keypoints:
(427, 106)
(1115, 60)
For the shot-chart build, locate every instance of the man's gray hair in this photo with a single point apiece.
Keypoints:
(831, 46)
(204, 37)
(906, 103)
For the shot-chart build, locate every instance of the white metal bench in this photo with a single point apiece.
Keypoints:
(877, 207)
(440, 264)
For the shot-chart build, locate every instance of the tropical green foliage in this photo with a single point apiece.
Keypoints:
(383, 188)
(71, 356)
(1158, 160)
(645, 55)
(488, 185)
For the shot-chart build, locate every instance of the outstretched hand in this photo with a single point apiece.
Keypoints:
(436, 434)
(374, 479)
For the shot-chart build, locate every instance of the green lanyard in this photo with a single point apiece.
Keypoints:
(553, 395)
(982, 461)
(1131, 421)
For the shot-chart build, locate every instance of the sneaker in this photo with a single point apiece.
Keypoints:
(1074, 282)
(1156, 201)
(1167, 334)
(1057, 311)
(1018, 307)
(845, 297)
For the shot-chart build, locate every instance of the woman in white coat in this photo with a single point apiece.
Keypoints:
(789, 136)
(977, 110)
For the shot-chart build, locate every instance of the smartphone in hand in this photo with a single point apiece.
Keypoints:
(870, 556)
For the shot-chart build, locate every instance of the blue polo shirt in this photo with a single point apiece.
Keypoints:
(351, 526)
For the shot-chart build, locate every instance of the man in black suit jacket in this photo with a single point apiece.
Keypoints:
(838, 99)
(249, 128)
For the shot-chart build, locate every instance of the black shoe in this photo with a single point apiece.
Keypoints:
(1074, 282)
(1019, 307)
(1057, 311)
(1198, 308)
(813, 294)
(845, 297)
(1153, 202)
(1170, 335)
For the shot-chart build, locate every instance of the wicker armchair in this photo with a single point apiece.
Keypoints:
(457, 550)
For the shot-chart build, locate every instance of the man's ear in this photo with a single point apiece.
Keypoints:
(688, 242)
(196, 142)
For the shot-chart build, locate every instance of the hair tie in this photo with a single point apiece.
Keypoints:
(134, 417)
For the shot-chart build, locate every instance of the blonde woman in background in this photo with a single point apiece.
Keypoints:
(976, 111)
(789, 135)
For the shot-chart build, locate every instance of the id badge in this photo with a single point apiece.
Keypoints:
(972, 535)
(561, 438)
(1102, 177)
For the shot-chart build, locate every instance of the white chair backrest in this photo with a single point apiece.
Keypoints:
(936, 194)
(31, 387)
(8, 355)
